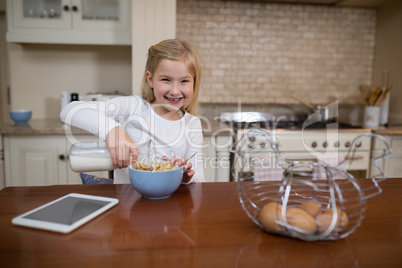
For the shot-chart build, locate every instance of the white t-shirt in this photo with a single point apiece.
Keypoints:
(181, 138)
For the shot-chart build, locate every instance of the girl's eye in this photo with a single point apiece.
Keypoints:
(165, 79)
(185, 81)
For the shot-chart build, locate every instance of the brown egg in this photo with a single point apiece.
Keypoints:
(268, 216)
(342, 216)
(323, 222)
(311, 208)
(300, 218)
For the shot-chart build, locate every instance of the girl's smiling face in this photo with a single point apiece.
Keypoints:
(173, 88)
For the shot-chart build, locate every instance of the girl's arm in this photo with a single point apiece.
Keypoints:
(100, 118)
(95, 117)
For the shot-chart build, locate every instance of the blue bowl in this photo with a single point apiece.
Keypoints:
(20, 116)
(156, 184)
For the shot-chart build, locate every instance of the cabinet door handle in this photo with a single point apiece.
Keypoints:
(61, 157)
(75, 8)
(66, 8)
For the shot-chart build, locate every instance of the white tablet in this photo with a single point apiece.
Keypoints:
(67, 213)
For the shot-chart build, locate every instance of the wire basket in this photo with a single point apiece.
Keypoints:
(299, 203)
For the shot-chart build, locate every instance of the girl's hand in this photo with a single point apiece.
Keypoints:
(188, 173)
(121, 147)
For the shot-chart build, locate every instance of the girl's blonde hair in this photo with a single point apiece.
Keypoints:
(173, 49)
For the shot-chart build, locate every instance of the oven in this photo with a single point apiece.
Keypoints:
(329, 142)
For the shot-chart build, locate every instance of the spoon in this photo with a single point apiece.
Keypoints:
(152, 159)
(185, 162)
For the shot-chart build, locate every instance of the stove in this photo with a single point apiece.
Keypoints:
(245, 120)
(298, 140)
(290, 125)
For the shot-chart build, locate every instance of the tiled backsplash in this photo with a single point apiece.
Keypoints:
(260, 53)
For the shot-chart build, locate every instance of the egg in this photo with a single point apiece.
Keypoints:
(311, 208)
(342, 216)
(270, 213)
(299, 218)
(323, 222)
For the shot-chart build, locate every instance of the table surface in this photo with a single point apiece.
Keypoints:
(200, 225)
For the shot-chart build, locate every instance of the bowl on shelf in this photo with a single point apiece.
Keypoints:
(20, 116)
(156, 184)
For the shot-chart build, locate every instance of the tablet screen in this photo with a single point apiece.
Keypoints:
(67, 211)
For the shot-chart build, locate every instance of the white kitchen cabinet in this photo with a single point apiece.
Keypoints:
(392, 166)
(39, 160)
(209, 154)
(216, 158)
(2, 178)
(105, 22)
(35, 160)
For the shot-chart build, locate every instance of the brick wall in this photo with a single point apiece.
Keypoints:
(261, 53)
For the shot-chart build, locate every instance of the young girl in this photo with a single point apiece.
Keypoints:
(160, 123)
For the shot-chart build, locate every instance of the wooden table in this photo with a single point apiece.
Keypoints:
(201, 225)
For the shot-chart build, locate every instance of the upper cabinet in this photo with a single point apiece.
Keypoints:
(104, 22)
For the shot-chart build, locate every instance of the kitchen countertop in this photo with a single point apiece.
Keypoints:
(393, 130)
(39, 127)
(211, 128)
(56, 127)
